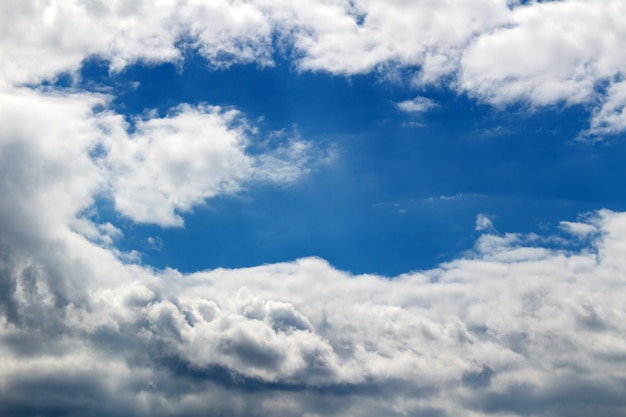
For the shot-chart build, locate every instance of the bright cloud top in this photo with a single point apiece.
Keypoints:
(521, 325)
(167, 165)
(173, 163)
(501, 52)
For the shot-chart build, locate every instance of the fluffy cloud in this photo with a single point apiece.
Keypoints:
(508, 329)
(173, 163)
(518, 326)
(43, 39)
(501, 52)
(550, 52)
(166, 165)
(512, 328)
(356, 37)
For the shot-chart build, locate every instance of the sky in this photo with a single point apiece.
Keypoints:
(312, 208)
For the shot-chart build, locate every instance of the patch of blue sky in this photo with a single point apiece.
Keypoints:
(405, 189)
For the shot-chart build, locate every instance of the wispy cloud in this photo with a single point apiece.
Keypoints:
(483, 222)
(416, 105)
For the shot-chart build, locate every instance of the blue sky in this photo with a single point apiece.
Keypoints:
(404, 189)
(313, 208)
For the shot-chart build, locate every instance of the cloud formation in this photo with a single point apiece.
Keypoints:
(171, 164)
(513, 327)
(501, 52)
(166, 165)
(522, 325)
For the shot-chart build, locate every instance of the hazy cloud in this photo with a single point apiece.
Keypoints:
(417, 105)
(483, 222)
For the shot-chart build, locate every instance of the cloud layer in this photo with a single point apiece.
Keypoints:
(522, 325)
(512, 328)
(500, 52)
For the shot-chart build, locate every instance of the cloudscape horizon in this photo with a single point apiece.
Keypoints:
(312, 208)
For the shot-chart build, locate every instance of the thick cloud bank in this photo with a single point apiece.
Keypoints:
(523, 325)
(511, 328)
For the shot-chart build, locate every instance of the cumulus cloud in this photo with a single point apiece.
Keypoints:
(551, 52)
(509, 328)
(43, 39)
(165, 165)
(173, 163)
(501, 52)
(512, 327)
(505, 322)
(357, 37)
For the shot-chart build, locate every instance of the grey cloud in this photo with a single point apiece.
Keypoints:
(576, 399)
(177, 350)
(478, 379)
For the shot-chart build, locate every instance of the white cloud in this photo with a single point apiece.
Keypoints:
(578, 229)
(357, 37)
(170, 164)
(417, 105)
(155, 243)
(510, 319)
(176, 162)
(466, 335)
(551, 52)
(511, 328)
(41, 39)
(499, 51)
(167, 165)
(610, 117)
(483, 222)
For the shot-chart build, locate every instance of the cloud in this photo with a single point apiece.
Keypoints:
(510, 328)
(358, 37)
(166, 165)
(176, 162)
(40, 41)
(551, 52)
(578, 229)
(483, 222)
(508, 321)
(501, 52)
(417, 105)
(610, 117)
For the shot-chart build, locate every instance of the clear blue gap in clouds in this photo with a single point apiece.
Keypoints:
(378, 207)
